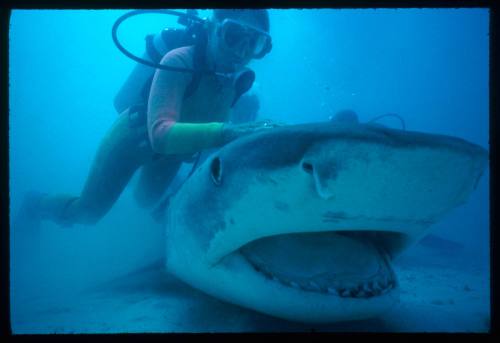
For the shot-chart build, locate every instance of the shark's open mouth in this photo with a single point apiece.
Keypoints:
(342, 263)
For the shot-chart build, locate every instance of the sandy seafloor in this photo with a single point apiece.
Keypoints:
(440, 292)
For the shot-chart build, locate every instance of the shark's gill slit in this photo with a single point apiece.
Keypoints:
(216, 171)
(342, 263)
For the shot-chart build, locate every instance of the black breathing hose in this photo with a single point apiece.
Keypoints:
(141, 60)
(389, 115)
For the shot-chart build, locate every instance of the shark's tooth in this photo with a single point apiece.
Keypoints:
(385, 290)
(266, 273)
(361, 294)
(345, 293)
(314, 286)
(304, 286)
(333, 291)
(384, 281)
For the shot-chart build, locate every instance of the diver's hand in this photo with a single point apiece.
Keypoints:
(231, 132)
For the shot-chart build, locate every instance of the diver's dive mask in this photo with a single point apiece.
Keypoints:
(234, 34)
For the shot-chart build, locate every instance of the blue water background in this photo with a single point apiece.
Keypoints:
(428, 65)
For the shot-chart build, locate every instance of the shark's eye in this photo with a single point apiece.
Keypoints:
(216, 171)
(308, 167)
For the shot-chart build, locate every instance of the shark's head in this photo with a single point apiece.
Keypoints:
(303, 222)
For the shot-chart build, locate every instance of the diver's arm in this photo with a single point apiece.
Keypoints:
(188, 138)
(166, 134)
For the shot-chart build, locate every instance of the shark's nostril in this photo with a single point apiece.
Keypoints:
(308, 167)
(216, 171)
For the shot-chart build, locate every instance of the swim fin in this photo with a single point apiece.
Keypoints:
(29, 217)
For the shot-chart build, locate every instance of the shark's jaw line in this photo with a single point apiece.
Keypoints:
(322, 272)
(303, 223)
(327, 299)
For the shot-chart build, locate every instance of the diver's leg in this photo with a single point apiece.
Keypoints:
(155, 177)
(121, 152)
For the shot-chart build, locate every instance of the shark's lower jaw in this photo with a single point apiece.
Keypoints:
(340, 264)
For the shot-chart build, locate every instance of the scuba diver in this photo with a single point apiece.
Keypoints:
(168, 114)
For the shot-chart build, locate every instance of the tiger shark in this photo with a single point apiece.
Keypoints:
(303, 222)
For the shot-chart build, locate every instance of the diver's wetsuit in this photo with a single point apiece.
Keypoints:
(176, 127)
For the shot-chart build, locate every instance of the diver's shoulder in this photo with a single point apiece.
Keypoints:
(181, 57)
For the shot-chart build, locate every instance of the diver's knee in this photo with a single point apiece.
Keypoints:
(144, 200)
(91, 220)
(91, 217)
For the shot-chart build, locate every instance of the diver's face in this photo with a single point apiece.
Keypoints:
(236, 42)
